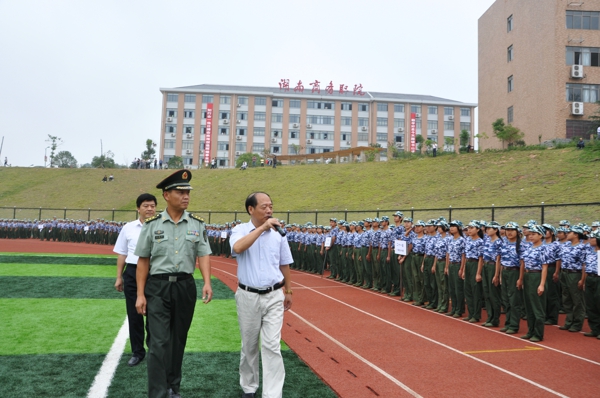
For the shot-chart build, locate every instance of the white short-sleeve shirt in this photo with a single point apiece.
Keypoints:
(127, 241)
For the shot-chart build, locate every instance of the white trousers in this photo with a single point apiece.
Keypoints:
(260, 317)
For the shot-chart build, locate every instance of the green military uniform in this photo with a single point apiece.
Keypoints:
(170, 290)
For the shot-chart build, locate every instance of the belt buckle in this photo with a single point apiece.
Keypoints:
(172, 279)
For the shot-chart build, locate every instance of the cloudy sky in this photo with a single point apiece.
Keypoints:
(90, 71)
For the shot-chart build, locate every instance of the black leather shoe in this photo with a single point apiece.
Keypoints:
(248, 395)
(134, 361)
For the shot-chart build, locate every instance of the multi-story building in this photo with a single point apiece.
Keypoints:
(539, 68)
(288, 121)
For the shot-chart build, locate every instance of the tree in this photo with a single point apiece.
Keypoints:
(150, 151)
(54, 143)
(448, 142)
(176, 162)
(419, 140)
(392, 150)
(371, 153)
(105, 161)
(465, 138)
(245, 157)
(64, 159)
(266, 152)
(296, 148)
(506, 133)
(596, 117)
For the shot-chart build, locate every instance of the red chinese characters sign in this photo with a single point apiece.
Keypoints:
(315, 87)
(209, 118)
(413, 132)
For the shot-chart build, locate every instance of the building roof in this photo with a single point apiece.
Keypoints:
(323, 95)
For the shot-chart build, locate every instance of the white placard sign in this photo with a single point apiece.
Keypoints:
(224, 234)
(328, 241)
(400, 247)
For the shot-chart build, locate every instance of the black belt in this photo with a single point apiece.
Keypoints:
(455, 262)
(131, 265)
(262, 291)
(419, 254)
(472, 259)
(590, 275)
(569, 271)
(489, 263)
(172, 277)
(532, 271)
(510, 268)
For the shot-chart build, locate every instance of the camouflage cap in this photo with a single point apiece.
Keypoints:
(595, 234)
(537, 229)
(549, 227)
(493, 224)
(576, 229)
(564, 223)
(420, 223)
(408, 219)
(385, 218)
(456, 223)
(399, 214)
(512, 225)
(474, 224)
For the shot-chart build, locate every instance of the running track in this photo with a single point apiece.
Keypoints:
(364, 344)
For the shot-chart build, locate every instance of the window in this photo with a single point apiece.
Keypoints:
(258, 147)
(187, 145)
(222, 146)
(188, 129)
(170, 128)
(465, 126)
(382, 107)
(582, 92)
(509, 115)
(363, 107)
(225, 99)
(169, 144)
(294, 103)
(319, 105)
(275, 149)
(275, 134)
(202, 146)
(172, 97)
(259, 132)
(510, 84)
(260, 116)
(260, 101)
(586, 56)
(224, 115)
(399, 108)
(432, 110)
(509, 23)
(418, 124)
(171, 113)
(363, 136)
(509, 53)
(363, 121)
(241, 131)
(580, 128)
(207, 99)
(449, 126)
(415, 108)
(224, 131)
(276, 117)
(399, 138)
(346, 121)
(240, 147)
(277, 103)
(294, 134)
(345, 137)
(319, 119)
(382, 137)
(202, 130)
(188, 114)
(448, 111)
(382, 121)
(294, 118)
(346, 106)
(398, 123)
(189, 98)
(432, 124)
(222, 162)
(465, 111)
(242, 115)
(243, 100)
(583, 20)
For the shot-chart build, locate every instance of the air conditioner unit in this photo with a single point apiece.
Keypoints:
(225, 121)
(349, 142)
(239, 105)
(577, 71)
(309, 126)
(309, 141)
(189, 151)
(169, 119)
(239, 121)
(274, 140)
(238, 153)
(400, 145)
(172, 134)
(434, 131)
(417, 115)
(450, 117)
(239, 138)
(295, 125)
(188, 135)
(400, 129)
(577, 108)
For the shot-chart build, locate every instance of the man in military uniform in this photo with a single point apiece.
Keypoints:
(168, 247)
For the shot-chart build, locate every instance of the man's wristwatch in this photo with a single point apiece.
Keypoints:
(288, 291)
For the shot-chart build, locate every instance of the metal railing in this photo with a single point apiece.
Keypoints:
(542, 213)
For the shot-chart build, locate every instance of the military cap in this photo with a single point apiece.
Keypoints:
(586, 229)
(562, 229)
(368, 220)
(442, 219)
(342, 221)
(333, 219)
(399, 214)
(408, 219)
(377, 220)
(362, 224)
(564, 223)
(595, 234)
(385, 218)
(353, 223)
(430, 222)
(512, 225)
(443, 224)
(474, 224)
(550, 227)
(596, 224)
(538, 229)
(179, 180)
(457, 223)
(493, 224)
(420, 223)
(576, 229)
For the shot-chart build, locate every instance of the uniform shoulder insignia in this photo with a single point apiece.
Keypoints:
(156, 217)
(195, 217)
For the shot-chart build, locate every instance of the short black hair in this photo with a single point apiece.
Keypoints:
(145, 197)
(251, 200)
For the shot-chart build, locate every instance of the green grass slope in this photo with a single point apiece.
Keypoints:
(502, 178)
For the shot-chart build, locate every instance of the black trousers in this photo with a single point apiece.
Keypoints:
(136, 321)
(170, 309)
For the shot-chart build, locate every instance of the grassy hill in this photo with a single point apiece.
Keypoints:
(502, 178)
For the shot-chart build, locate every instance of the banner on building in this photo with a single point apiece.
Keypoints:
(208, 135)
(413, 132)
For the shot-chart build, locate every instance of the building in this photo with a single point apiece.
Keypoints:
(288, 120)
(538, 68)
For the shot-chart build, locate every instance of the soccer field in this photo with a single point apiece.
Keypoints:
(60, 316)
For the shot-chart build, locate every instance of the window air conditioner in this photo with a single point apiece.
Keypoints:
(400, 129)
(189, 151)
(172, 134)
(400, 145)
(450, 117)
(295, 125)
(188, 135)
(274, 140)
(239, 121)
(309, 126)
(309, 141)
(364, 128)
(239, 138)
(225, 121)
(577, 71)
(577, 108)
(349, 142)
(417, 115)
(239, 105)
(434, 131)
(238, 153)
(169, 119)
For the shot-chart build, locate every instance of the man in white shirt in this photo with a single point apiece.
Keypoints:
(263, 256)
(125, 247)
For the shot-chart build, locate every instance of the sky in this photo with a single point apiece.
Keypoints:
(89, 72)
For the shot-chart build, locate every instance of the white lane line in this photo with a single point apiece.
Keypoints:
(99, 388)
(445, 346)
(360, 358)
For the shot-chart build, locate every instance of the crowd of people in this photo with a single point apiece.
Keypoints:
(529, 271)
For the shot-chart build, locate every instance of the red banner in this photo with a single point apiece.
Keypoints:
(207, 137)
(413, 132)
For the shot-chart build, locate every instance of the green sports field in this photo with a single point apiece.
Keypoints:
(59, 317)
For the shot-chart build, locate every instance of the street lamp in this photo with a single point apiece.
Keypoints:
(45, 156)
